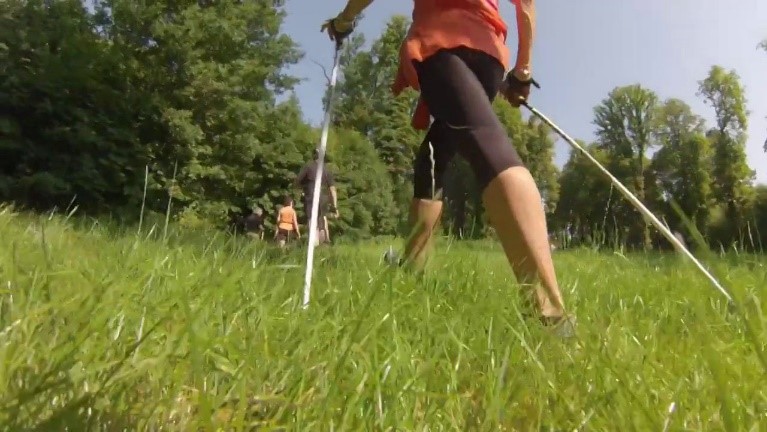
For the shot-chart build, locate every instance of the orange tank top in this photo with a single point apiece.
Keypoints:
(286, 218)
(444, 24)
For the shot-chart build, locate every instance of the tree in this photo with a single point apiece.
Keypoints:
(675, 120)
(213, 71)
(280, 152)
(722, 90)
(70, 113)
(585, 212)
(732, 176)
(763, 45)
(680, 169)
(760, 217)
(682, 176)
(186, 88)
(625, 122)
(366, 204)
(391, 133)
(353, 105)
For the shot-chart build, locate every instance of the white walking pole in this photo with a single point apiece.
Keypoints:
(634, 200)
(318, 182)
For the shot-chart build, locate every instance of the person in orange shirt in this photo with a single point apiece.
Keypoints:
(287, 223)
(455, 55)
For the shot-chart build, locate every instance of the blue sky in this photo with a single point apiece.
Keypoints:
(585, 48)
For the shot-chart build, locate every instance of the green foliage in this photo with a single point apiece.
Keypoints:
(625, 121)
(219, 69)
(674, 121)
(69, 112)
(760, 217)
(682, 174)
(170, 107)
(367, 205)
(183, 87)
(763, 45)
(586, 210)
(732, 177)
(271, 173)
(722, 90)
(681, 168)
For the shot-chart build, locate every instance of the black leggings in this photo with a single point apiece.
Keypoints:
(459, 85)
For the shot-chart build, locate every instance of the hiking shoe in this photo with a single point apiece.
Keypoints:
(562, 327)
(391, 257)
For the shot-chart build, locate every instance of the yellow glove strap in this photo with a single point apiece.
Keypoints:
(342, 23)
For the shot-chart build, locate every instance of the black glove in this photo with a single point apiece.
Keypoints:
(515, 90)
(338, 29)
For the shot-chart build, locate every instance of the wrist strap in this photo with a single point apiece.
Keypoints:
(342, 19)
(532, 80)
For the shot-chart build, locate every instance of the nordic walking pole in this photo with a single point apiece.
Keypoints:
(318, 180)
(634, 200)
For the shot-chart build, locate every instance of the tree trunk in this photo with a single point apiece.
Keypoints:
(640, 192)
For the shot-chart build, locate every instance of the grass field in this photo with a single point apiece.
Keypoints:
(103, 330)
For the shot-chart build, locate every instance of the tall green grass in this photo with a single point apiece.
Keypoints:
(104, 329)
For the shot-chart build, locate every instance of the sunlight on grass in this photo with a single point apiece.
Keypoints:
(102, 330)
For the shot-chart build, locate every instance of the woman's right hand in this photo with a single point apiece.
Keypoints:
(516, 90)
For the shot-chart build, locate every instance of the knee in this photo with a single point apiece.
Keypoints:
(490, 152)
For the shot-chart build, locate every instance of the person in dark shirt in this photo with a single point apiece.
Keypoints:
(254, 224)
(305, 180)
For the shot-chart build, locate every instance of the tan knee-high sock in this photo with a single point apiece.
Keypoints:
(423, 220)
(514, 206)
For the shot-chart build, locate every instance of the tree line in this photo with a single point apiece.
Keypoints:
(186, 107)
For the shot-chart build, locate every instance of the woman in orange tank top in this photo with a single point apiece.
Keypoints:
(455, 55)
(287, 223)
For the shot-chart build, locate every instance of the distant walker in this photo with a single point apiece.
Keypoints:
(305, 181)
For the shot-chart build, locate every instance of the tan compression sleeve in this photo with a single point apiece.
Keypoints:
(526, 32)
(334, 196)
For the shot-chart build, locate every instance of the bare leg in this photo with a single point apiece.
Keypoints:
(423, 221)
(327, 229)
(459, 85)
(514, 206)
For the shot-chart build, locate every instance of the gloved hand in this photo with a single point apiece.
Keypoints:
(515, 90)
(338, 29)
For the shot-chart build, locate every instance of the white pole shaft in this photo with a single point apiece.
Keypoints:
(318, 184)
(634, 200)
